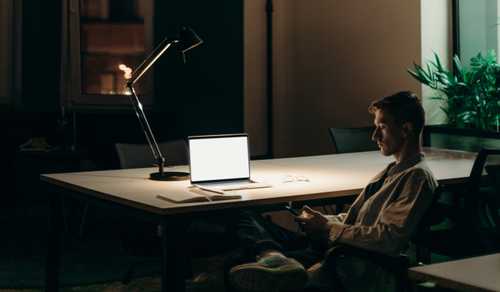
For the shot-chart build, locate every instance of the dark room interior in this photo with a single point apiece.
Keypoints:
(297, 77)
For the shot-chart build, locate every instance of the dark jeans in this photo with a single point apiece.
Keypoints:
(256, 234)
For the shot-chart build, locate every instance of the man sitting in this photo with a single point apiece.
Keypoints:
(381, 219)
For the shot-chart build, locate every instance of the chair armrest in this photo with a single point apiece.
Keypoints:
(394, 264)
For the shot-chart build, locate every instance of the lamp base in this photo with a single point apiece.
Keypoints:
(169, 175)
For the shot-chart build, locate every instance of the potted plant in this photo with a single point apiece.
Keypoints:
(471, 95)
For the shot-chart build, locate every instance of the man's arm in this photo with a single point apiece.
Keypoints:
(394, 223)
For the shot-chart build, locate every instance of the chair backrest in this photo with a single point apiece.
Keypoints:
(398, 266)
(139, 155)
(484, 158)
(422, 235)
(432, 215)
(346, 140)
(493, 171)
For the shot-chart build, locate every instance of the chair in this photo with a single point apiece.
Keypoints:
(209, 228)
(423, 236)
(487, 162)
(473, 198)
(396, 265)
(472, 210)
(493, 199)
(347, 140)
(139, 155)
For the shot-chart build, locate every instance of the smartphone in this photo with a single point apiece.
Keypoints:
(292, 210)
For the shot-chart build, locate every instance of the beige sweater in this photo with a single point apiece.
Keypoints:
(385, 220)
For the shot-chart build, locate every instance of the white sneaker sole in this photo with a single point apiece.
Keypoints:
(254, 277)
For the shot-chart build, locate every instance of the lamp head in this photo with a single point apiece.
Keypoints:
(188, 39)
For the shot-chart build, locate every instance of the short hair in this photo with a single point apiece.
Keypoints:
(403, 106)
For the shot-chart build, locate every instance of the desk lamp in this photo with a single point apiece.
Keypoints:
(187, 40)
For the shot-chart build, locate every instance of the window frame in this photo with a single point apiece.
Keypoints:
(75, 97)
(455, 5)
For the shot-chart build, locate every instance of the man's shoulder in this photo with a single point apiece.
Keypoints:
(421, 167)
(421, 171)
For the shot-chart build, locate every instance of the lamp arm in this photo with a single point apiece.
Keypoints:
(188, 40)
(139, 111)
(138, 108)
(150, 60)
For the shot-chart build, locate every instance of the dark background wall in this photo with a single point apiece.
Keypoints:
(40, 55)
(34, 111)
(203, 96)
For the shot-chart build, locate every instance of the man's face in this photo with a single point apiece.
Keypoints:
(388, 135)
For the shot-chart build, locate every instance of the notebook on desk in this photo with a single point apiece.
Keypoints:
(221, 163)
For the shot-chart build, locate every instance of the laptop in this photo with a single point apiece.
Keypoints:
(221, 163)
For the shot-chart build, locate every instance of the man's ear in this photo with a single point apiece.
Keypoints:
(407, 129)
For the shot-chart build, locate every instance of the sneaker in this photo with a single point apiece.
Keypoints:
(271, 273)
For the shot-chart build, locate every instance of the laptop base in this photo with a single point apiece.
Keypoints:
(221, 187)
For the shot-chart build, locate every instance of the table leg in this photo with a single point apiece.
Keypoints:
(172, 269)
(54, 244)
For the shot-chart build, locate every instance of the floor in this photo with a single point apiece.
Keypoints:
(93, 261)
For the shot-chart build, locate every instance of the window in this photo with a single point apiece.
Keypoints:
(107, 40)
(478, 27)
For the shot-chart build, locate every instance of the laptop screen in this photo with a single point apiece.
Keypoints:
(221, 157)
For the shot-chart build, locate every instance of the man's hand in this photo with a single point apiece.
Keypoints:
(313, 223)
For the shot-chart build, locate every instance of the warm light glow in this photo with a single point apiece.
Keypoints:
(127, 71)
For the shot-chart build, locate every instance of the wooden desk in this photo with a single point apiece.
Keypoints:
(473, 274)
(329, 176)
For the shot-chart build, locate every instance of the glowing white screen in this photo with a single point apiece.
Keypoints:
(219, 158)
